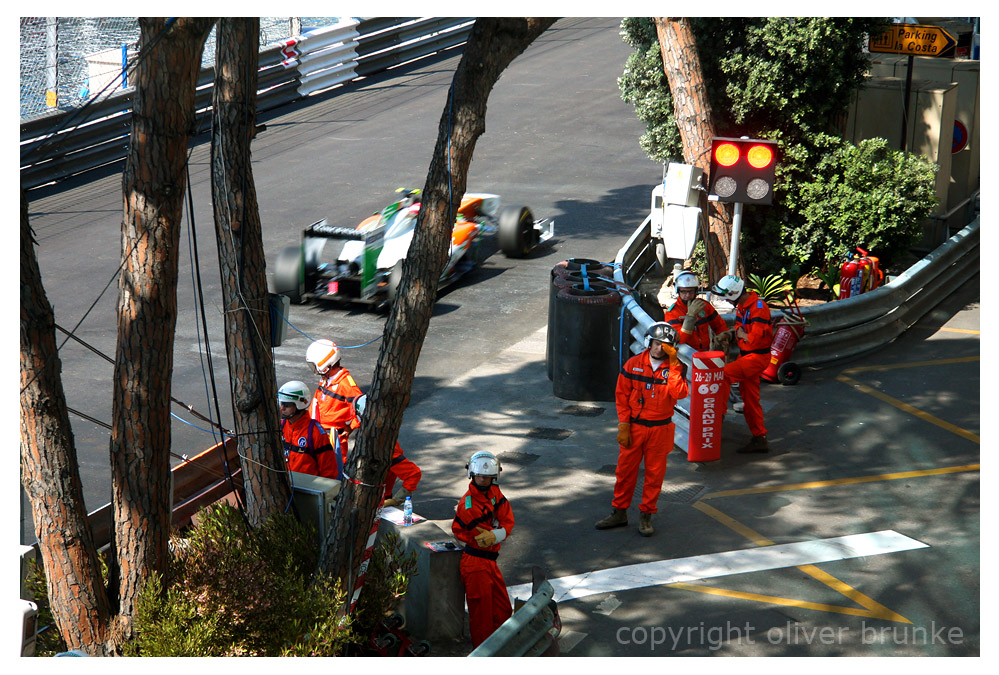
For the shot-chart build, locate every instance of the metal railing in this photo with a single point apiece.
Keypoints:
(531, 631)
(61, 144)
(836, 330)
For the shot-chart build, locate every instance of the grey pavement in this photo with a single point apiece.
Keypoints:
(558, 457)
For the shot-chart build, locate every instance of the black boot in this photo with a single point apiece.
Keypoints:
(757, 444)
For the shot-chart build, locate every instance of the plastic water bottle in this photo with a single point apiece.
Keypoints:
(407, 511)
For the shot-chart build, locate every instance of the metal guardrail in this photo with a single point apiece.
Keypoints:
(531, 631)
(61, 144)
(836, 330)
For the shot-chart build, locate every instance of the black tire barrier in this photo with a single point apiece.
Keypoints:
(586, 346)
(560, 278)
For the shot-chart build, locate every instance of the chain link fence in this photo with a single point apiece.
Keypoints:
(66, 61)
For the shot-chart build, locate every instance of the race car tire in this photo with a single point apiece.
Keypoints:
(515, 231)
(289, 274)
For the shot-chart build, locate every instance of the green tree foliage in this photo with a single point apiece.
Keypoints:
(867, 193)
(791, 80)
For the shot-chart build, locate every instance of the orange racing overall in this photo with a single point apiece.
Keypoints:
(645, 399)
(753, 316)
(485, 589)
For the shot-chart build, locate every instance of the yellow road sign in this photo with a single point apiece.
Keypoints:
(913, 39)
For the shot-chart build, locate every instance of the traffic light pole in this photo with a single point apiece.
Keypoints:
(733, 254)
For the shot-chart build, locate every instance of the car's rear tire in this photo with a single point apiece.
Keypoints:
(289, 274)
(515, 231)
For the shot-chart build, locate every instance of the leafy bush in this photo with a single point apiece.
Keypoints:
(235, 591)
(866, 195)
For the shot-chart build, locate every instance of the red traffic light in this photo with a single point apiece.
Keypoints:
(742, 170)
(760, 156)
(727, 154)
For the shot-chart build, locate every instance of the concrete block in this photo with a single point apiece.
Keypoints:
(434, 605)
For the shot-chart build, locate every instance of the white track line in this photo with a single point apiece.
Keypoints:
(721, 564)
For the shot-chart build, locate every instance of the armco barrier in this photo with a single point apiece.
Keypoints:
(836, 330)
(531, 631)
(63, 143)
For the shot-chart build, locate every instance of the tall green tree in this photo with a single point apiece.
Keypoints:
(243, 268)
(90, 615)
(492, 45)
(785, 78)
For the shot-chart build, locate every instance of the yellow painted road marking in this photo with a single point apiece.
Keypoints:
(914, 364)
(962, 330)
(872, 608)
(773, 600)
(843, 481)
(733, 524)
(905, 407)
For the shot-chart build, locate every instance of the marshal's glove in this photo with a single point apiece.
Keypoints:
(399, 497)
(695, 310)
(485, 538)
(624, 434)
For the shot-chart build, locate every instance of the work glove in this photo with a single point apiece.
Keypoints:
(485, 538)
(696, 307)
(399, 497)
(689, 323)
(624, 434)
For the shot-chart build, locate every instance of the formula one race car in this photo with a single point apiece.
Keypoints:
(368, 267)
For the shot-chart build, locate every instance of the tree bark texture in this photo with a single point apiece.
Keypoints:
(492, 45)
(244, 270)
(50, 473)
(694, 118)
(153, 184)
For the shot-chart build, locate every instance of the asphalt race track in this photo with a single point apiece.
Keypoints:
(858, 534)
(558, 139)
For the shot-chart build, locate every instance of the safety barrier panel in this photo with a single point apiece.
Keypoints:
(63, 143)
(531, 631)
(836, 330)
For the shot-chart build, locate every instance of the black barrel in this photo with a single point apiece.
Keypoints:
(586, 346)
(563, 275)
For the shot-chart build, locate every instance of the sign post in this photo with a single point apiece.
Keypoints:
(912, 40)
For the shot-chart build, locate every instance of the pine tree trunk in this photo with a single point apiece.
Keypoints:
(693, 113)
(153, 183)
(493, 44)
(243, 269)
(50, 473)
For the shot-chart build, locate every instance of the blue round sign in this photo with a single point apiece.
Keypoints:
(960, 137)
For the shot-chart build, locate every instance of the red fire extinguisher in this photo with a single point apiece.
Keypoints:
(790, 329)
(850, 281)
(858, 274)
(873, 276)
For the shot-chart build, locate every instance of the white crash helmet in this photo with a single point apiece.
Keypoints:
(359, 404)
(729, 288)
(295, 392)
(323, 354)
(687, 280)
(484, 463)
(662, 332)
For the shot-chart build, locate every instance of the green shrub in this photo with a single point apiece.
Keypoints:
(865, 195)
(234, 591)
